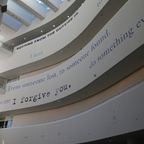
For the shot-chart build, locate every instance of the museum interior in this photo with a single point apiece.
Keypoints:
(71, 72)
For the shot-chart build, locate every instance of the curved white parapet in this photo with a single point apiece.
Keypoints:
(119, 38)
(119, 115)
(55, 40)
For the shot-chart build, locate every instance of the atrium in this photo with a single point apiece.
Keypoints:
(71, 71)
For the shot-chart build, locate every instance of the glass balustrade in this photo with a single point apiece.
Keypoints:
(3, 45)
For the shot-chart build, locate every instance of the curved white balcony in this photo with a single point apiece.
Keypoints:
(69, 81)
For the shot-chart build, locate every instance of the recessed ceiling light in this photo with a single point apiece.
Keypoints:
(53, 25)
(67, 16)
(12, 44)
(24, 38)
(41, 30)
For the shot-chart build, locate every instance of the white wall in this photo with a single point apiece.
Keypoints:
(119, 115)
(46, 116)
(126, 26)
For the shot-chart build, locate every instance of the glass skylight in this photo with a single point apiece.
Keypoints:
(28, 13)
(42, 4)
(62, 1)
(11, 22)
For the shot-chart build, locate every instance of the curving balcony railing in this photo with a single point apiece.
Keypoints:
(69, 82)
(119, 115)
(115, 52)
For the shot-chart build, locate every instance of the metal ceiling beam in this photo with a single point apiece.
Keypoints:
(19, 13)
(33, 7)
(52, 4)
